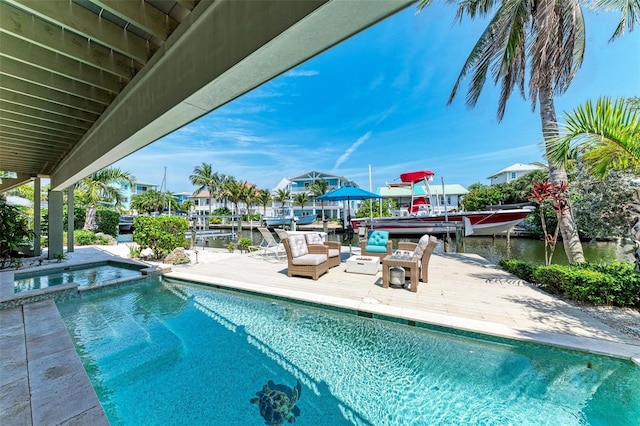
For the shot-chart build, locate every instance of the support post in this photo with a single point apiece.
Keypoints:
(460, 237)
(37, 217)
(55, 225)
(70, 219)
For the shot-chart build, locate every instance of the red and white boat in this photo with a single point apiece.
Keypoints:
(422, 218)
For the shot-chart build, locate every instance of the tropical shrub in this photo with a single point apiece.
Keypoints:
(83, 237)
(134, 251)
(244, 244)
(161, 234)
(14, 232)
(78, 217)
(222, 211)
(107, 222)
(517, 267)
(550, 278)
(611, 284)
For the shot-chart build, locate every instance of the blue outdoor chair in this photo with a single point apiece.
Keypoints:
(376, 244)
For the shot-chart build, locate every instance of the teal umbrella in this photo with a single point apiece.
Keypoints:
(348, 193)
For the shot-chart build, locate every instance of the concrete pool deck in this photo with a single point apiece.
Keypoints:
(42, 380)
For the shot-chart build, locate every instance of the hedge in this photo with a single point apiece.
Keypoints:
(161, 234)
(616, 283)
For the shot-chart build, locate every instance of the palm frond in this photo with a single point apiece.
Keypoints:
(608, 132)
(557, 50)
(629, 14)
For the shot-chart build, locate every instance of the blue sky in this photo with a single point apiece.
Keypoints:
(379, 99)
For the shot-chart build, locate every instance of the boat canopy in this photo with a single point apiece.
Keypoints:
(414, 177)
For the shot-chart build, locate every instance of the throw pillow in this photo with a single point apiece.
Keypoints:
(423, 242)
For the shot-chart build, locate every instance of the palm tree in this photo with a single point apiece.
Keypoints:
(301, 199)
(607, 133)
(187, 205)
(319, 187)
(102, 187)
(148, 202)
(205, 178)
(264, 197)
(282, 195)
(549, 36)
(222, 192)
(237, 191)
(250, 196)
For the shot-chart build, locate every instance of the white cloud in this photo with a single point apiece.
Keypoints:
(302, 73)
(344, 157)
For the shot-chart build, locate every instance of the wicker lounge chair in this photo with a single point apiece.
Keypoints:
(421, 250)
(305, 260)
(334, 247)
(376, 244)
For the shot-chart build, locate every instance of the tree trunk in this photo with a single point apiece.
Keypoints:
(90, 219)
(557, 174)
(635, 229)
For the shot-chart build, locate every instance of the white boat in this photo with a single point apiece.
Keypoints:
(286, 220)
(420, 217)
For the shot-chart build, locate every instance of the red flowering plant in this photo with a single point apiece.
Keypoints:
(558, 195)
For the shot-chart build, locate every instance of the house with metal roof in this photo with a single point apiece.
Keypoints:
(514, 171)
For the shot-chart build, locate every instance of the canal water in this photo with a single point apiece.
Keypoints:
(494, 249)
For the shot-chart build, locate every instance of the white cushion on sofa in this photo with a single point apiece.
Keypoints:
(309, 259)
(298, 246)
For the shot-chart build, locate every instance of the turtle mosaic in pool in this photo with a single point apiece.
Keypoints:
(277, 403)
(170, 352)
(83, 275)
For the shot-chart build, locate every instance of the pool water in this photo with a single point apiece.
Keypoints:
(168, 352)
(82, 275)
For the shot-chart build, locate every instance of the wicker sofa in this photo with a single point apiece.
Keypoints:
(305, 260)
(333, 246)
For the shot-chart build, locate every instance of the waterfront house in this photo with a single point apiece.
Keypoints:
(514, 171)
(301, 183)
(129, 191)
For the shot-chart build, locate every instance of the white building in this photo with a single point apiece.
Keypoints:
(301, 183)
(513, 172)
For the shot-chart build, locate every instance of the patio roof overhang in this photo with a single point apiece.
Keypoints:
(84, 83)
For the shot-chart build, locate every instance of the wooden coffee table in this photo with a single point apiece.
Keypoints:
(409, 264)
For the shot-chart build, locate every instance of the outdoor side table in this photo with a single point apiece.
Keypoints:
(363, 264)
(410, 265)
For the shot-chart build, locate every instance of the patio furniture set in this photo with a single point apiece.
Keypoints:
(309, 255)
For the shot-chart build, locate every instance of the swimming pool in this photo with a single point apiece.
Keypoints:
(83, 275)
(169, 352)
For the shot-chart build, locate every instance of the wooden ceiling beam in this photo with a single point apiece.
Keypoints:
(79, 20)
(20, 24)
(41, 115)
(42, 139)
(9, 118)
(142, 15)
(22, 127)
(45, 105)
(9, 67)
(24, 88)
(21, 52)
